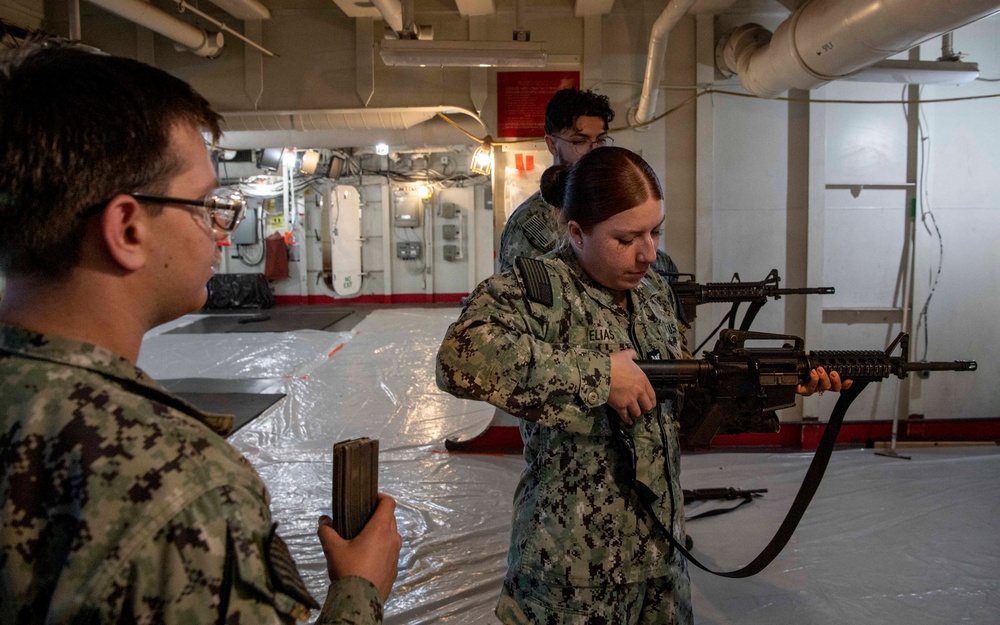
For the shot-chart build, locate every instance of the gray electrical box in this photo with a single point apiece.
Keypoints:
(449, 232)
(408, 250)
(448, 210)
(408, 214)
(451, 252)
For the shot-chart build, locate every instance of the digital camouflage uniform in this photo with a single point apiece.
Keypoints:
(122, 503)
(578, 522)
(530, 232)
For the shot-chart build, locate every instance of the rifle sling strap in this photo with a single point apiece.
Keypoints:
(809, 485)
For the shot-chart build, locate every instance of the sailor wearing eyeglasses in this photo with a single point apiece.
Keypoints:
(118, 501)
(576, 122)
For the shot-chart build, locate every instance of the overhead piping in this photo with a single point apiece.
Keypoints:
(222, 26)
(825, 40)
(183, 34)
(392, 13)
(656, 56)
(244, 9)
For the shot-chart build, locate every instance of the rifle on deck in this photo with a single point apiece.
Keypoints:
(726, 493)
(690, 295)
(738, 382)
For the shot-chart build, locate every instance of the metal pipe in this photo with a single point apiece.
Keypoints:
(185, 35)
(74, 31)
(829, 39)
(392, 13)
(222, 26)
(244, 9)
(655, 57)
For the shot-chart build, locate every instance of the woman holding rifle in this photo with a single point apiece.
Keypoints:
(553, 343)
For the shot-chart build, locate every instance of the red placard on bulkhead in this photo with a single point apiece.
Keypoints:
(521, 100)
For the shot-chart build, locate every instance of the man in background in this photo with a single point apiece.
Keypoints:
(576, 122)
(118, 501)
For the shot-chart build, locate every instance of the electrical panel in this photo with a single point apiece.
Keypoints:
(408, 211)
(448, 210)
(408, 250)
(452, 253)
(449, 232)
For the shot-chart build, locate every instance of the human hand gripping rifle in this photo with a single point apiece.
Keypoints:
(739, 382)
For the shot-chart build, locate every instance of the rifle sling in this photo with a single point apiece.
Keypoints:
(806, 491)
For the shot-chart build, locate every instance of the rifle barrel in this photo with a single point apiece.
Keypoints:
(819, 290)
(955, 365)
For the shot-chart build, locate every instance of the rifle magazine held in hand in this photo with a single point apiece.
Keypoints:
(355, 485)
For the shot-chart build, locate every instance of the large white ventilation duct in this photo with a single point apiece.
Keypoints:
(829, 39)
(185, 35)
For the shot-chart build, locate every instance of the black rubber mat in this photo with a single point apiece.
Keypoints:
(245, 399)
(270, 320)
(245, 407)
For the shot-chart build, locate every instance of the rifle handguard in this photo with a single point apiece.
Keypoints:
(734, 381)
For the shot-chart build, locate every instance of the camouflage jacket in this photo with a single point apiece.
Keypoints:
(121, 503)
(530, 232)
(577, 518)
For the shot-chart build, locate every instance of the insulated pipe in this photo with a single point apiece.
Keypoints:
(244, 9)
(392, 13)
(185, 35)
(829, 39)
(656, 56)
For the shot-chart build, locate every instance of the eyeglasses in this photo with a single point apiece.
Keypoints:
(582, 145)
(223, 208)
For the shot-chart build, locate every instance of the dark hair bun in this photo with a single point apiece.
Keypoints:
(553, 185)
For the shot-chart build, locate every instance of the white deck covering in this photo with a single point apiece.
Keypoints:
(886, 540)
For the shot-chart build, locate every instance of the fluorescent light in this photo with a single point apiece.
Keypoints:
(918, 72)
(413, 52)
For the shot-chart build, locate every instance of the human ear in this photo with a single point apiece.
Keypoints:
(550, 143)
(125, 230)
(575, 233)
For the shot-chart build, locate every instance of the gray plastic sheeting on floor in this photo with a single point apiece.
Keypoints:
(884, 541)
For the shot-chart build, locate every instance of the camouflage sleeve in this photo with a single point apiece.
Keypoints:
(352, 601)
(529, 232)
(514, 242)
(496, 353)
(202, 561)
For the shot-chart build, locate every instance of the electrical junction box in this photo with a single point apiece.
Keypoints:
(408, 250)
(449, 232)
(448, 210)
(452, 253)
(407, 212)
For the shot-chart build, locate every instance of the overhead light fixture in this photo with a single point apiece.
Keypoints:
(413, 52)
(918, 72)
(482, 158)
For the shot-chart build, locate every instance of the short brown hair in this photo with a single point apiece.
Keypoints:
(76, 129)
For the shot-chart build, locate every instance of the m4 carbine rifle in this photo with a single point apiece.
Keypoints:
(736, 382)
(691, 294)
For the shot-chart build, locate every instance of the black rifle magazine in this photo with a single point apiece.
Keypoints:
(355, 484)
